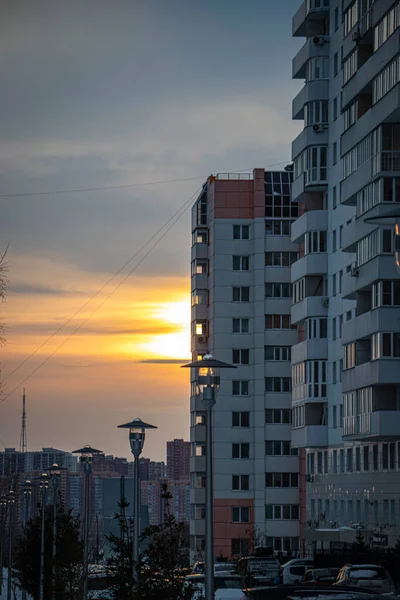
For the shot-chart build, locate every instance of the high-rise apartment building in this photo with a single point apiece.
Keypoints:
(241, 300)
(178, 458)
(346, 291)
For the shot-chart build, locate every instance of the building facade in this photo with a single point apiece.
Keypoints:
(346, 300)
(241, 258)
(178, 459)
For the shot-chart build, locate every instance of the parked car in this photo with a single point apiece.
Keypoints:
(308, 592)
(320, 576)
(294, 570)
(259, 570)
(199, 568)
(227, 587)
(373, 577)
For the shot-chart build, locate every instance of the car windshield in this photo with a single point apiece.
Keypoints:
(224, 567)
(228, 583)
(367, 573)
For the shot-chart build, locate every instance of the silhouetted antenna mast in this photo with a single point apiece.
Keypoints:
(23, 443)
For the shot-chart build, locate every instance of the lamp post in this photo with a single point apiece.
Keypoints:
(207, 384)
(86, 453)
(10, 503)
(3, 518)
(44, 485)
(137, 432)
(55, 472)
(390, 218)
(27, 501)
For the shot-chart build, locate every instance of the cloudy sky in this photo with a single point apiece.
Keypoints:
(95, 94)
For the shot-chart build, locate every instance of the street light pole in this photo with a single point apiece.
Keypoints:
(43, 484)
(87, 453)
(27, 497)
(206, 375)
(3, 517)
(137, 430)
(11, 503)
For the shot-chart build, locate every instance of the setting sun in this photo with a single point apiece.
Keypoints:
(172, 345)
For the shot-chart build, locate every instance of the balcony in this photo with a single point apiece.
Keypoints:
(386, 163)
(379, 425)
(376, 372)
(310, 18)
(355, 182)
(199, 251)
(309, 137)
(379, 319)
(309, 50)
(312, 264)
(312, 220)
(313, 306)
(380, 267)
(310, 436)
(313, 90)
(315, 349)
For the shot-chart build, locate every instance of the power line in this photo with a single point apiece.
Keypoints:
(182, 211)
(21, 364)
(125, 186)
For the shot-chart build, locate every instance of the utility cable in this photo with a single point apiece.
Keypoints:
(21, 364)
(125, 186)
(182, 211)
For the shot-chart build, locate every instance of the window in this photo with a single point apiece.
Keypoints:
(199, 236)
(335, 64)
(200, 480)
(358, 458)
(349, 67)
(279, 448)
(240, 356)
(313, 163)
(279, 353)
(240, 325)
(315, 328)
(317, 68)
(278, 290)
(199, 419)
(278, 322)
(240, 263)
(198, 511)
(385, 345)
(386, 293)
(350, 17)
(334, 461)
(386, 80)
(336, 18)
(240, 232)
(277, 200)
(386, 26)
(240, 547)
(241, 294)
(280, 480)
(199, 297)
(240, 388)
(379, 241)
(349, 356)
(199, 267)
(334, 289)
(357, 156)
(334, 197)
(316, 112)
(334, 328)
(199, 449)
(366, 458)
(199, 327)
(241, 450)
(334, 242)
(315, 241)
(278, 416)
(334, 373)
(309, 379)
(240, 482)
(240, 514)
(350, 115)
(282, 511)
(278, 384)
(334, 412)
(280, 259)
(341, 457)
(278, 227)
(241, 419)
(375, 460)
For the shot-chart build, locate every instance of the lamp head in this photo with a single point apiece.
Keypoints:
(137, 433)
(87, 453)
(207, 371)
(27, 488)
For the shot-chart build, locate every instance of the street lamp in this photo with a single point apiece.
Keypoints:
(11, 503)
(55, 472)
(27, 501)
(137, 433)
(207, 384)
(3, 518)
(391, 218)
(43, 485)
(87, 453)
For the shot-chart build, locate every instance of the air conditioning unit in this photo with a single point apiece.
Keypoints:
(325, 301)
(355, 271)
(320, 40)
(319, 128)
(356, 36)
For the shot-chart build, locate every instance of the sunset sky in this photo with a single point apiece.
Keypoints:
(99, 93)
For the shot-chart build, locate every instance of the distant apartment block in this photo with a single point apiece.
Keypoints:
(178, 460)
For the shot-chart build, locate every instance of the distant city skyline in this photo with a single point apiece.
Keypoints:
(93, 98)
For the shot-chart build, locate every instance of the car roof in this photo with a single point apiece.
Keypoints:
(299, 561)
